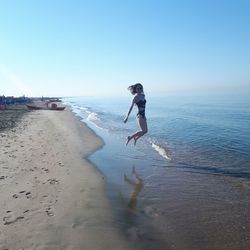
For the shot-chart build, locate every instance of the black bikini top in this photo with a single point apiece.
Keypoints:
(141, 104)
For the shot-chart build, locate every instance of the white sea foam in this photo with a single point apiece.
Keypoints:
(93, 117)
(95, 120)
(161, 150)
(84, 109)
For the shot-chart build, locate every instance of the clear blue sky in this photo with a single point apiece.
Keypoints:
(78, 47)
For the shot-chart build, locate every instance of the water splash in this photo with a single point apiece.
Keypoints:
(161, 150)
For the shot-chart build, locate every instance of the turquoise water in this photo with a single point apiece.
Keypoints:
(196, 152)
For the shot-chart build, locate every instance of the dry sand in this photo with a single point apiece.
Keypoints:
(51, 197)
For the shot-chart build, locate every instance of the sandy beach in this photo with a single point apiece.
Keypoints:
(51, 197)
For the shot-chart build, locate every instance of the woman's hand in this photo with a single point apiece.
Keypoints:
(125, 119)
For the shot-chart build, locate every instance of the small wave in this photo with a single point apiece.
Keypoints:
(214, 170)
(93, 117)
(83, 108)
(95, 120)
(162, 151)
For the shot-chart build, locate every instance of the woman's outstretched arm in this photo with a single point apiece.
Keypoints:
(129, 111)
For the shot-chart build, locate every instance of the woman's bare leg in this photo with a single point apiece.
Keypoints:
(142, 122)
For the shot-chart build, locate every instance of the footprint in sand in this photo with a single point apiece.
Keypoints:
(53, 181)
(9, 220)
(45, 170)
(49, 211)
(28, 195)
(15, 196)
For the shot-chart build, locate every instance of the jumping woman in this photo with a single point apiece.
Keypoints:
(140, 101)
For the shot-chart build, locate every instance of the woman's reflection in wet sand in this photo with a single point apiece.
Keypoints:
(137, 184)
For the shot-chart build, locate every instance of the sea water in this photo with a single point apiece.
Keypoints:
(195, 150)
(209, 134)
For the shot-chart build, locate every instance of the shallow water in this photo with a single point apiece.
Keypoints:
(186, 184)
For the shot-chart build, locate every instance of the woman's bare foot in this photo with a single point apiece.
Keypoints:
(135, 140)
(128, 139)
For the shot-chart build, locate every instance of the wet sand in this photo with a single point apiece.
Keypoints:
(174, 206)
(51, 197)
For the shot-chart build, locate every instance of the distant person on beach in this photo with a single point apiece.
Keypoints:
(140, 101)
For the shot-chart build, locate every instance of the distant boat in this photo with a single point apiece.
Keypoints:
(53, 107)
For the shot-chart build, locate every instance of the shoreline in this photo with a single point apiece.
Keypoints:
(51, 196)
(195, 210)
(176, 207)
(62, 187)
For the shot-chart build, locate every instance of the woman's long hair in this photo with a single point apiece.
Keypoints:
(132, 88)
